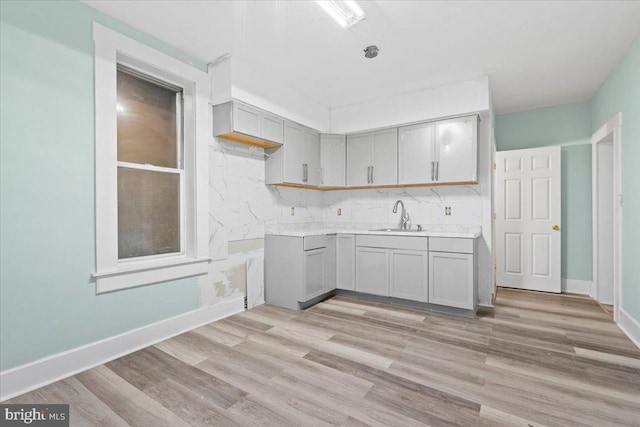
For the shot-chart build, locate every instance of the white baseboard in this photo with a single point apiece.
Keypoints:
(28, 377)
(572, 286)
(629, 326)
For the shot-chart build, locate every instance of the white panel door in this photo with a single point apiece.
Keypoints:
(457, 150)
(372, 271)
(333, 161)
(384, 153)
(293, 153)
(416, 154)
(528, 219)
(311, 157)
(359, 159)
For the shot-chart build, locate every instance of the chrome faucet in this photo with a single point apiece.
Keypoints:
(405, 221)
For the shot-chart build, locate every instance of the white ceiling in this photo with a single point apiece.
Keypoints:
(537, 53)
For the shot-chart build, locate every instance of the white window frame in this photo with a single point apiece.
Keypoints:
(110, 49)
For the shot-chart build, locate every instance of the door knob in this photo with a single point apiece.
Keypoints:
(556, 227)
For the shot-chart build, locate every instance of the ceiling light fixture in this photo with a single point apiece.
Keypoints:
(371, 51)
(345, 12)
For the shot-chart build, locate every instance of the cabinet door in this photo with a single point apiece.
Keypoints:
(333, 161)
(330, 264)
(272, 128)
(408, 274)
(346, 261)
(358, 159)
(293, 153)
(372, 271)
(457, 150)
(451, 279)
(311, 157)
(384, 153)
(246, 119)
(416, 147)
(314, 273)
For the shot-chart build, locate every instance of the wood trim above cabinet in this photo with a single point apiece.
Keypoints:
(248, 140)
(369, 187)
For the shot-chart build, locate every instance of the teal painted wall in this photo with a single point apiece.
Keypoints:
(47, 250)
(621, 93)
(570, 127)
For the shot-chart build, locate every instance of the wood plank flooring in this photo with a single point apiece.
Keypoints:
(534, 360)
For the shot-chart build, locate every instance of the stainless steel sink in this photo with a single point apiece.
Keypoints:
(397, 230)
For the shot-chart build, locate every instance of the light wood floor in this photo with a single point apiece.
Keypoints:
(536, 359)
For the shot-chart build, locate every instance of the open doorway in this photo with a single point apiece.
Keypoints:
(606, 214)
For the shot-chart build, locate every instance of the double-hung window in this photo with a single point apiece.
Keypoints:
(151, 164)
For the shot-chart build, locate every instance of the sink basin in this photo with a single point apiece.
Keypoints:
(398, 230)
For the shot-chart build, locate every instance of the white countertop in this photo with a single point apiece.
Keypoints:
(459, 231)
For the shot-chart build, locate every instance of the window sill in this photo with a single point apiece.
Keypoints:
(145, 273)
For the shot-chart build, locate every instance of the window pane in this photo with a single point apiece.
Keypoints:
(147, 122)
(148, 213)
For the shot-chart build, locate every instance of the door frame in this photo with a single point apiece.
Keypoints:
(612, 126)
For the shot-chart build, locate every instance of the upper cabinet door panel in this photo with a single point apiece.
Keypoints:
(359, 159)
(457, 150)
(246, 119)
(385, 157)
(311, 156)
(416, 149)
(333, 161)
(272, 128)
(293, 153)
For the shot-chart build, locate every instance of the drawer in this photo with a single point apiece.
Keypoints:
(314, 242)
(451, 244)
(392, 242)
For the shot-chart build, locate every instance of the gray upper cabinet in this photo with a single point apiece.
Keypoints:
(359, 159)
(372, 158)
(333, 160)
(439, 152)
(240, 122)
(297, 161)
(416, 151)
(457, 150)
(311, 157)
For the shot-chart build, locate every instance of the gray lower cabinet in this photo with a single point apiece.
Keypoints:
(295, 269)
(408, 274)
(314, 274)
(372, 271)
(346, 262)
(330, 263)
(452, 273)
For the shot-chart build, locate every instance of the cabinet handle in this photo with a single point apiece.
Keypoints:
(372, 174)
(432, 175)
(303, 172)
(306, 172)
(321, 175)
(438, 171)
(368, 174)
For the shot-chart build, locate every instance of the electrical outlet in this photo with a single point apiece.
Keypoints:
(339, 211)
(447, 210)
(293, 210)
